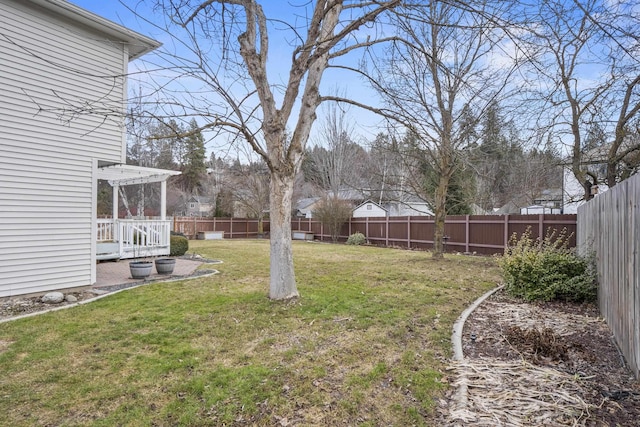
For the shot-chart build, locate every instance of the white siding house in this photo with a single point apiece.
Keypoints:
(573, 192)
(369, 209)
(62, 86)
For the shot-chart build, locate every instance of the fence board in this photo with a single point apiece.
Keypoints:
(481, 234)
(608, 227)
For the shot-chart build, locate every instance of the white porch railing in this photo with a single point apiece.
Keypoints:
(136, 238)
(105, 230)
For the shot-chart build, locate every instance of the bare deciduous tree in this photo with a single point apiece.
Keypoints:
(585, 56)
(227, 46)
(333, 163)
(250, 184)
(333, 213)
(440, 67)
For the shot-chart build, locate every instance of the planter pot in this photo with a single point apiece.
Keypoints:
(140, 269)
(165, 265)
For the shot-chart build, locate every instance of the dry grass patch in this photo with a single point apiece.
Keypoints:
(365, 344)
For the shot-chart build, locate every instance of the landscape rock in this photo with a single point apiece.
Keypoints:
(71, 298)
(53, 298)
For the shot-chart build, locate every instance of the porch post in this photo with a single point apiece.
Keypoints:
(114, 204)
(114, 212)
(163, 200)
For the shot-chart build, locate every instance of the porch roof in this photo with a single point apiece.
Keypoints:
(128, 174)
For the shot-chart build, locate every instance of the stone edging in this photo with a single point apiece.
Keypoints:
(461, 396)
(86, 301)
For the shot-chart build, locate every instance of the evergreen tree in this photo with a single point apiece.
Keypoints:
(194, 166)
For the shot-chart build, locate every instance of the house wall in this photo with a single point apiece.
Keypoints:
(370, 210)
(408, 209)
(573, 193)
(49, 68)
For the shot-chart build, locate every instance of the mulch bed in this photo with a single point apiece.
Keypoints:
(549, 364)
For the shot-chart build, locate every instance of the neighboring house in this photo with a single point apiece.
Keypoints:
(369, 209)
(539, 209)
(595, 162)
(572, 190)
(549, 201)
(304, 207)
(63, 89)
(198, 206)
(511, 207)
(408, 208)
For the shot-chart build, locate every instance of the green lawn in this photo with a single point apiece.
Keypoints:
(366, 344)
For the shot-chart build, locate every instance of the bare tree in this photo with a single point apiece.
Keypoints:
(333, 213)
(227, 52)
(440, 67)
(585, 57)
(333, 163)
(250, 184)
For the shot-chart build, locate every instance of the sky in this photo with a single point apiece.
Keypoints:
(365, 124)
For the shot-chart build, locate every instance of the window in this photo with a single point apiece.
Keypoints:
(369, 207)
(192, 205)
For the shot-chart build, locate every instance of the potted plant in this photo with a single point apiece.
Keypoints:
(165, 265)
(140, 269)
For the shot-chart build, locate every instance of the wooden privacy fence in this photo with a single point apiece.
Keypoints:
(234, 228)
(609, 227)
(481, 234)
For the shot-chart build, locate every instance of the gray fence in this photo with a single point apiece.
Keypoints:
(609, 226)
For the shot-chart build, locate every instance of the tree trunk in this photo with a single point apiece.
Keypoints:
(282, 281)
(260, 225)
(440, 215)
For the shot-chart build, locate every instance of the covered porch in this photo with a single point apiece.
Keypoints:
(118, 238)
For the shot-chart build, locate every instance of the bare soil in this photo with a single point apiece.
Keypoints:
(566, 339)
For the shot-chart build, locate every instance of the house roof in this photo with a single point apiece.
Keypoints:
(306, 203)
(373, 203)
(200, 199)
(128, 174)
(138, 43)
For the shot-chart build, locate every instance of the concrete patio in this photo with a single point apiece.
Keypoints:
(112, 273)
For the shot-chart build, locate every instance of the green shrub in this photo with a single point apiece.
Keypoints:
(547, 270)
(356, 239)
(179, 245)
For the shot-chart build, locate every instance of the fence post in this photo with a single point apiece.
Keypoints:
(541, 227)
(466, 234)
(506, 231)
(366, 226)
(195, 227)
(409, 232)
(231, 228)
(386, 231)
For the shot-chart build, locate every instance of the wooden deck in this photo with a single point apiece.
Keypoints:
(132, 238)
